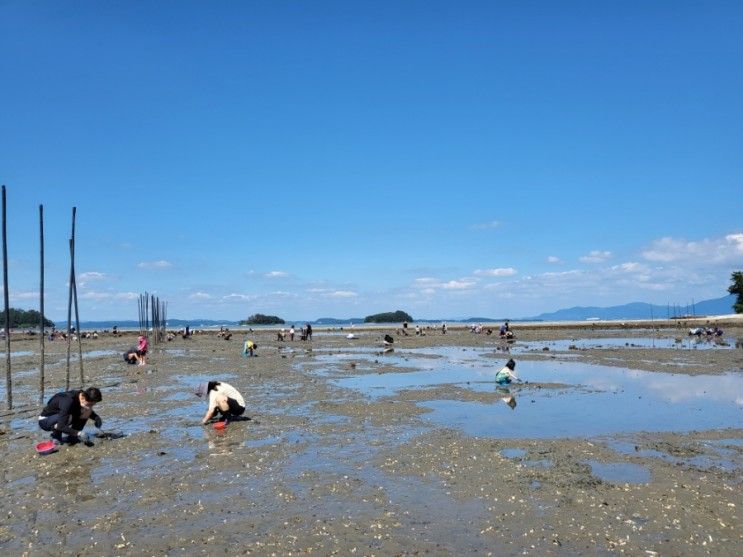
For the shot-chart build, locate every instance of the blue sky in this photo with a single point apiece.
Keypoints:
(311, 159)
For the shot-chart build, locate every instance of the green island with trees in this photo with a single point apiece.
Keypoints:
(737, 288)
(260, 319)
(389, 317)
(20, 318)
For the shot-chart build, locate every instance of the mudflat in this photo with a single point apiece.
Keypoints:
(618, 440)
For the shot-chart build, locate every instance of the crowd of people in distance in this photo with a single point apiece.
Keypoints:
(709, 332)
(305, 333)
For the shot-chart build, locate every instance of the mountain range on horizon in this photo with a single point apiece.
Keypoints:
(634, 310)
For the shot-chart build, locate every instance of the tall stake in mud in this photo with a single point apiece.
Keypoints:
(77, 312)
(8, 382)
(69, 306)
(41, 303)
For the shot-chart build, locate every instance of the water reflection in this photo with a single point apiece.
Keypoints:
(564, 399)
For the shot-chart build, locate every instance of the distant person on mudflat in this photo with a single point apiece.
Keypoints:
(223, 399)
(507, 374)
(67, 413)
(131, 356)
(309, 331)
(249, 348)
(142, 349)
(443, 328)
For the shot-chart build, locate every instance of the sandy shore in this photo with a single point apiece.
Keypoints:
(321, 469)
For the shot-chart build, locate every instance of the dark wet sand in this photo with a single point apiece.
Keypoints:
(324, 470)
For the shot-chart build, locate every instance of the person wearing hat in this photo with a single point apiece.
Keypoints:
(507, 374)
(223, 399)
(67, 413)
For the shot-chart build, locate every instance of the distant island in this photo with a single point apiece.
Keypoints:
(260, 319)
(23, 319)
(335, 321)
(390, 317)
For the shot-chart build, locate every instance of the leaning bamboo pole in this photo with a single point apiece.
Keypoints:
(77, 313)
(8, 382)
(41, 303)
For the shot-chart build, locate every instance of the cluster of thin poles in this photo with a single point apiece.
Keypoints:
(72, 299)
(150, 307)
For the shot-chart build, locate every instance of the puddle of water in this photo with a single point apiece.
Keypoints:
(19, 354)
(691, 343)
(100, 353)
(726, 459)
(596, 399)
(513, 453)
(619, 472)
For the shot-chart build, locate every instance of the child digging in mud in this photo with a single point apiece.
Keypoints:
(67, 412)
(224, 399)
(507, 374)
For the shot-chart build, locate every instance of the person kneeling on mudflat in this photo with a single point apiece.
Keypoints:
(67, 413)
(506, 375)
(224, 399)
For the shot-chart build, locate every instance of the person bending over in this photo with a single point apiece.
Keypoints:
(249, 348)
(507, 374)
(131, 356)
(67, 412)
(223, 399)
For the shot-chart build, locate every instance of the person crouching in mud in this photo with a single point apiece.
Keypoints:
(67, 412)
(507, 374)
(224, 399)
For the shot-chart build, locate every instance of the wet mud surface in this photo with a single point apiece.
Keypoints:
(612, 446)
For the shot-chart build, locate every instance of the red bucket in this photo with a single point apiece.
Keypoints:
(46, 447)
(219, 426)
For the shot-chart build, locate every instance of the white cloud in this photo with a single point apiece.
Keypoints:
(90, 276)
(126, 296)
(500, 272)
(629, 267)
(553, 259)
(462, 284)
(725, 250)
(486, 225)
(238, 298)
(200, 296)
(595, 256)
(342, 294)
(276, 274)
(156, 265)
(428, 283)
(95, 295)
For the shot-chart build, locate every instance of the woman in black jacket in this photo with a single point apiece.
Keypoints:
(67, 413)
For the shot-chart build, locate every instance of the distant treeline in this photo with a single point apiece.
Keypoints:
(260, 319)
(20, 318)
(389, 317)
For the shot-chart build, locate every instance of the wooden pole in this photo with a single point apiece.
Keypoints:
(8, 382)
(41, 303)
(69, 307)
(77, 312)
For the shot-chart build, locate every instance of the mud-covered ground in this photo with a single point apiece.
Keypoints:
(324, 469)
